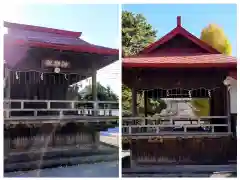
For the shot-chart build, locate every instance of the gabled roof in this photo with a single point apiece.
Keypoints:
(35, 36)
(212, 58)
(179, 30)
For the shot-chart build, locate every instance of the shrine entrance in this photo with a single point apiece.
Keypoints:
(185, 105)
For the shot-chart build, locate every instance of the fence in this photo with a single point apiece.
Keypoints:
(37, 108)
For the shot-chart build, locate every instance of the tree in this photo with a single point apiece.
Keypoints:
(126, 99)
(201, 106)
(103, 94)
(215, 37)
(73, 93)
(137, 33)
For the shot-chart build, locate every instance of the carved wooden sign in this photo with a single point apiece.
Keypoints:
(48, 63)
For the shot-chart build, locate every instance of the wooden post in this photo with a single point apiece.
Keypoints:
(8, 91)
(132, 162)
(228, 103)
(94, 91)
(97, 139)
(134, 102)
(145, 103)
(95, 106)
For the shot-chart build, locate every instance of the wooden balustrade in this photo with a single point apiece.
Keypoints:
(168, 119)
(168, 129)
(40, 108)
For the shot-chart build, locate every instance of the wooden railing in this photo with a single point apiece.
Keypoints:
(134, 126)
(168, 119)
(36, 108)
(162, 129)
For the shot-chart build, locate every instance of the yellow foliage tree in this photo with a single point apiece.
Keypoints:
(215, 37)
(202, 107)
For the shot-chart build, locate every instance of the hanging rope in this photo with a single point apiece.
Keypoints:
(33, 77)
(180, 92)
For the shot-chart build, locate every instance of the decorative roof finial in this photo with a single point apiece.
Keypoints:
(178, 20)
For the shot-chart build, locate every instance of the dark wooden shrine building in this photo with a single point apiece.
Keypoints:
(40, 65)
(180, 67)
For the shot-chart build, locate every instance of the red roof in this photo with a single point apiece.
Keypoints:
(41, 29)
(199, 60)
(179, 30)
(211, 59)
(35, 36)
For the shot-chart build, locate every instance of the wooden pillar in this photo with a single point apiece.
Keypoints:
(94, 91)
(8, 90)
(134, 102)
(132, 161)
(228, 103)
(97, 140)
(145, 103)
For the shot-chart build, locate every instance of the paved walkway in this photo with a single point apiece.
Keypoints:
(111, 140)
(104, 169)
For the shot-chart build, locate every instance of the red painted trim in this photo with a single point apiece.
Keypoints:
(81, 48)
(41, 29)
(180, 65)
(233, 74)
(172, 34)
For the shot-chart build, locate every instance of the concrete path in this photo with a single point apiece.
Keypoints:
(111, 140)
(104, 169)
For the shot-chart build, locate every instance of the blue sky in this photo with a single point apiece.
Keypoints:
(194, 18)
(99, 25)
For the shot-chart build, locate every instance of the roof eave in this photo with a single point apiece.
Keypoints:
(179, 65)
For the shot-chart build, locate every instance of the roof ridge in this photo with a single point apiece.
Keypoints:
(66, 33)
